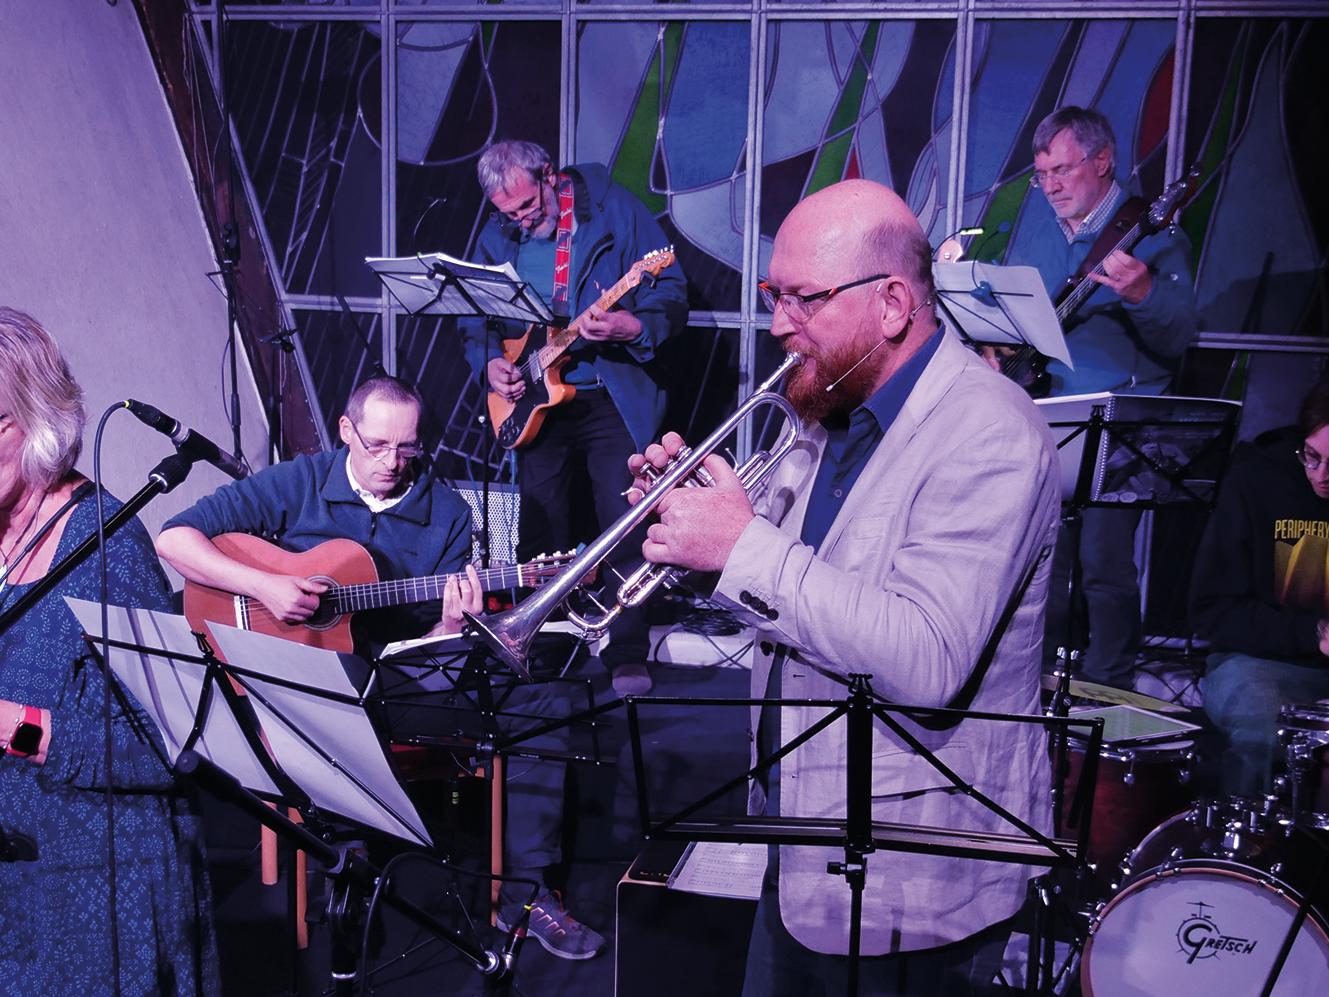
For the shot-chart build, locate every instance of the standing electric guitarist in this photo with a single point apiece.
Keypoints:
(1127, 337)
(571, 234)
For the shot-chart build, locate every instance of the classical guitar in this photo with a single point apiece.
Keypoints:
(541, 354)
(1024, 364)
(353, 582)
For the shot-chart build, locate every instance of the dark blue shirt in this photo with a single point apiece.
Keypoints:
(302, 502)
(852, 439)
(850, 442)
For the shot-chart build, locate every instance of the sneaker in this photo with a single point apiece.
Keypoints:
(630, 680)
(558, 931)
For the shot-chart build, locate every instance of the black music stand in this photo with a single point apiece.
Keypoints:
(991, 305)
(857, 833)
(272, 736)
(439, 284)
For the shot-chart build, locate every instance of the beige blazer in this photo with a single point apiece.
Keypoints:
(918, 584)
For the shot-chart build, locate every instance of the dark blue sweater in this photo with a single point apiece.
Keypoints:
(300, 503)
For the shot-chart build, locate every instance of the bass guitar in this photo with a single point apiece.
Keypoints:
(353, 587)
(1025, 365)
(541, 354)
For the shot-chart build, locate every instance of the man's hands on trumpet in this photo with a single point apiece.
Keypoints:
(697, 527)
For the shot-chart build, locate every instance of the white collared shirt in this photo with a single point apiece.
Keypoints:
(375, 503)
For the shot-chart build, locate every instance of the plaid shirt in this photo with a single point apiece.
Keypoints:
(1097, 218)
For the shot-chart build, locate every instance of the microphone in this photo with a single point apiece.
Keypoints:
(880, 343)
(1001, 229)
(193, 445)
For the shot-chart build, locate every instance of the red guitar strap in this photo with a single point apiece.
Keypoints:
(562, 249)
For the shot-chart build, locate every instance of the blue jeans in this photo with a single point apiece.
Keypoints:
(778, 966)
(1110, 589)
(572, 478)
(1242, 696)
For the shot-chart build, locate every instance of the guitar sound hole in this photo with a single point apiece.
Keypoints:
(326, 616)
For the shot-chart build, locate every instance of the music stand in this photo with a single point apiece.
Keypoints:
(310, 744)
(991, 305)
(856, 832)
(439, 284)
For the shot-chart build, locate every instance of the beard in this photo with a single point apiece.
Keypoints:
(806, 387)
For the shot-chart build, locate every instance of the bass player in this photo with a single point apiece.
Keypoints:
(1127, 337)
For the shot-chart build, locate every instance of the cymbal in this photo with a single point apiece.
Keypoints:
(1111, 694)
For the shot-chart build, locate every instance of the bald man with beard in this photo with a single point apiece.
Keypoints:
(906, 538)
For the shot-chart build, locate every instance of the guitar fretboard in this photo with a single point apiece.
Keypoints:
(1086, 286)
(381, 595)
(561, 339)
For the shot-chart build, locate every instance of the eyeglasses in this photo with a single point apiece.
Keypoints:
(801, 307)
(1058, 173)
(511, 223)
(381, 451)
(1309, 459)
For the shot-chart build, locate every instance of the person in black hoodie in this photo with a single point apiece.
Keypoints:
(1259, 592)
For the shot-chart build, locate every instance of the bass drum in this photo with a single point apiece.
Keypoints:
(1209, 897)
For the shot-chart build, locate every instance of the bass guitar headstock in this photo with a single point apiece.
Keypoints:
(1168, 203)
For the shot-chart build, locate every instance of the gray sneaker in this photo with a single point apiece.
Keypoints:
(558, 931)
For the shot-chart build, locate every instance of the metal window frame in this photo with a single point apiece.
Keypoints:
(389, 15)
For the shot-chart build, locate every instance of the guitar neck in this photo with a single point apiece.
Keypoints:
(404, 591)
(1086, 286)
(560, 340)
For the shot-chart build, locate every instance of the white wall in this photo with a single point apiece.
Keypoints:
(102, 240)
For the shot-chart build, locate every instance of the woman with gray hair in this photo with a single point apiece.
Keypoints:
(88, 891)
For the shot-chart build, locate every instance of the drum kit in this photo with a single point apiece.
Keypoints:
(1219, 897)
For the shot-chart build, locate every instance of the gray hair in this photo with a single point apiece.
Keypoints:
(1091, 130)
(40, 395)
(901, 249)
(392, 389)
(501, 158)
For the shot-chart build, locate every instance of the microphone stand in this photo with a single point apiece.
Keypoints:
(161, 479)
(352, 878)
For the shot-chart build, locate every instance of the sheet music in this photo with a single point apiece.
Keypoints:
(1015, 307)
(341, 730)
(169, 689)
(412, 280)
(721, 869)
(1064, 414)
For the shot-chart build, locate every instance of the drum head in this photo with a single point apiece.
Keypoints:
(1205, 929)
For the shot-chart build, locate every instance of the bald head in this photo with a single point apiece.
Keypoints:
(853, 271)
(857, 228)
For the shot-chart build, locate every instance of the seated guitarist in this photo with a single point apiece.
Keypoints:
(581, 227)
(1127, 337)
(370, 492)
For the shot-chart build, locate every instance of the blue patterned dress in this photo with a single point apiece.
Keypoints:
(55, 935)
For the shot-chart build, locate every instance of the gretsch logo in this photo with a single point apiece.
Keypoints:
(1200, 937)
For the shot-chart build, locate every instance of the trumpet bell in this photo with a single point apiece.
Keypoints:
(506, 635)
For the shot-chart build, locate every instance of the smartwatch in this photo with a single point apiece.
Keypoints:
(27, 739)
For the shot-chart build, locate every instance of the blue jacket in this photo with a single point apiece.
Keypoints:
(614, 230)
(302, 502)
(1116, 346)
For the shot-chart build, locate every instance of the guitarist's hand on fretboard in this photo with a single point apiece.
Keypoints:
(505, 379)
(600, 326)
(1126, 275)
(464, 596)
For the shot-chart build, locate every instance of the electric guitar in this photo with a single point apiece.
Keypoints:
(352, 577)
(1025, 365)
(541, 354)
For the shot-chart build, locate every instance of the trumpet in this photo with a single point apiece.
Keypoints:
(510, 634)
